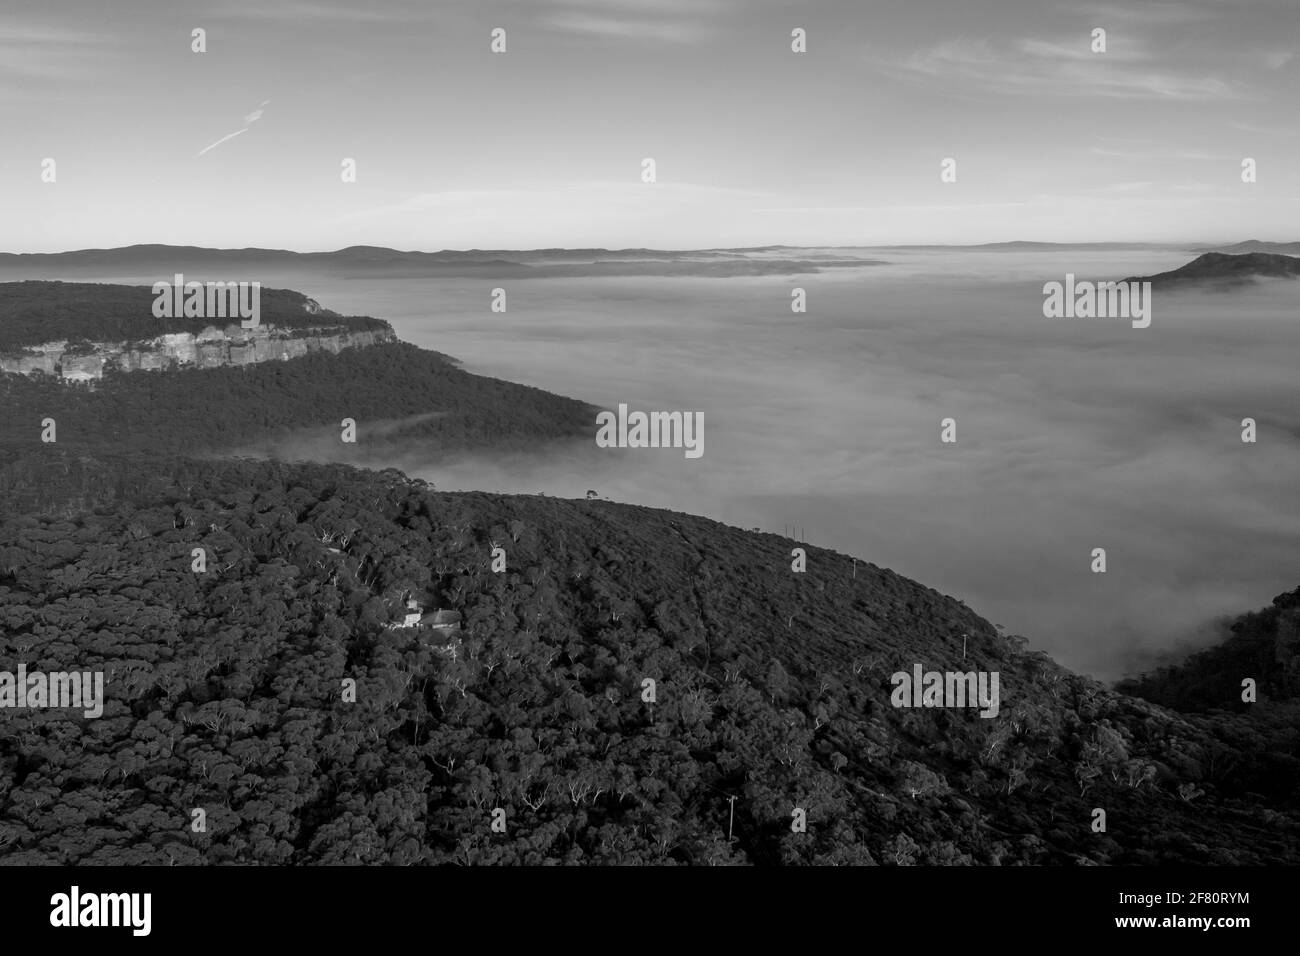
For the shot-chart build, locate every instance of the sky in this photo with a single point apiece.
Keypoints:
(542, 146)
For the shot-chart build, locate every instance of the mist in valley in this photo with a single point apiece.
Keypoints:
(1072, 434)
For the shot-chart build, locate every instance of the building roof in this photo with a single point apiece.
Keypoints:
(442, 618)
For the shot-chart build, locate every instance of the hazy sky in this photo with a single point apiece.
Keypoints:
(458, 147)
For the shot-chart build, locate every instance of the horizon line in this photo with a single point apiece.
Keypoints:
(697, 249)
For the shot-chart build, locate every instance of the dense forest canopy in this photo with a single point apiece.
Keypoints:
(188, 409)
(225, 694)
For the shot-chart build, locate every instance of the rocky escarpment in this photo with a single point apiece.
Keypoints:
(213, 347)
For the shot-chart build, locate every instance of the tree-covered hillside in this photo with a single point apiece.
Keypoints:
(1263, 646)
(35, 312)
(192, 410)
(227, 693)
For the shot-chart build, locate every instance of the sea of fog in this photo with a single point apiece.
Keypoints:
(1072, 434)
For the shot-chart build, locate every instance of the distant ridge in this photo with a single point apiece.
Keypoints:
(1223, 269)
(384, 262)
(1254, 245)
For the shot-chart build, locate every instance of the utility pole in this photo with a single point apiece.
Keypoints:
(732, 819)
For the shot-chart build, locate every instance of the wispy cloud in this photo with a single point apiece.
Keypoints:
(250, 119)
(1265, 130)
(1162, 155)
(1150, 189)
(41, 52)
(1033, 67)
(655, 21)
(603, 194)
(651, 7)
(1062, 51)
(305, 12)
(1123, 189)
(629, 29)
(1154, 12)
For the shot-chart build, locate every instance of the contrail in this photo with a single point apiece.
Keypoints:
(250, 119)
(223, 139)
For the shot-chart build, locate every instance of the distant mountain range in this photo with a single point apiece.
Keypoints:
(1254, 245)
(380, 261)
(1218, 268)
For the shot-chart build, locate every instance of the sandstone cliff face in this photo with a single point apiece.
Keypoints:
(82, 368)
(211, 348)
(31, 362)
